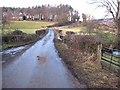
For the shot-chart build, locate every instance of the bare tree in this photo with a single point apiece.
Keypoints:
(84, 18)
(91, 23)
(112, 7)
(59, 13)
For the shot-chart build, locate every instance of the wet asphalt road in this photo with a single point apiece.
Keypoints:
(47, 72)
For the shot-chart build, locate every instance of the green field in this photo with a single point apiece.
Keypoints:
(74, 29)
(26, 26)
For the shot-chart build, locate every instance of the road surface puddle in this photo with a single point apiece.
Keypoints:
(42, 59)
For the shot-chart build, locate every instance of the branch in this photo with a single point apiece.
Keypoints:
(118, 10)
(111, 5)
(114, 3)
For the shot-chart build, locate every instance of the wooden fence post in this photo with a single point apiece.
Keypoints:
(99, 49)
(111, 61)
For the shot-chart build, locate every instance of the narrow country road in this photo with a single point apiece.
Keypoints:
(38, 67)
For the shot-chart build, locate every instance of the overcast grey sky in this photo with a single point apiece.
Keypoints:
(80, 5)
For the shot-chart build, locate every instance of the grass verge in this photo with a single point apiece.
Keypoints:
(86, 71)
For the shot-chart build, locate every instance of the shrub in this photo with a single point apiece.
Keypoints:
(88, 43)
(117, 43)
(17, 32)
(18, 38)
(39, 32)
(69, 33)
(82, 42)
(105, 38)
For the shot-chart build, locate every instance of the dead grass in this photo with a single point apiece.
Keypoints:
(96, 77)
(89, 71)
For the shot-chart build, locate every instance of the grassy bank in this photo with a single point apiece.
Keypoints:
(14, 39)
(21, 43)
(86, 71)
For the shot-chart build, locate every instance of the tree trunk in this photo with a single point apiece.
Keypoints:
(118, 35)
(116, 40)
